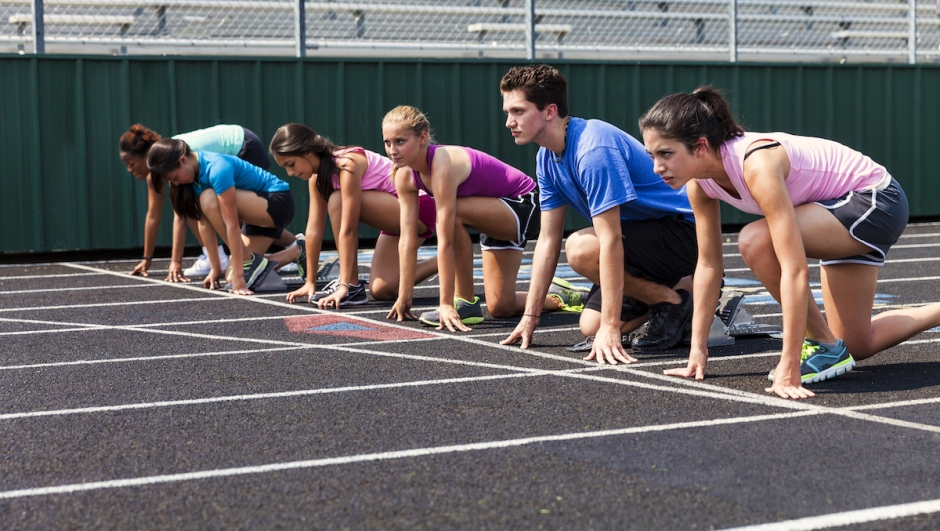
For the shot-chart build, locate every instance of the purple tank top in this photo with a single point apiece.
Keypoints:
(489, 177)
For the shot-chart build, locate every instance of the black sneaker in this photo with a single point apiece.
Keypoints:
(354, 297)
(667, 324)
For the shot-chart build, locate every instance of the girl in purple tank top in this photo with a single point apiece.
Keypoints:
(472, 190)
(363, 195)
(821, 200)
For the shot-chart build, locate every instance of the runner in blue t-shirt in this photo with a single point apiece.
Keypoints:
(641, 247)
(222, 192)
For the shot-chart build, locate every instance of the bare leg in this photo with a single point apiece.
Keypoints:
(849, 293)
(583, 251)
(823, 237)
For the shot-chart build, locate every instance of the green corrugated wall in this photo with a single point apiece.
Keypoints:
(64, 187)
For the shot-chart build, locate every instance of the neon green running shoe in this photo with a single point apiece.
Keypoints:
(470, 313)
(570, 298)
(819, 362)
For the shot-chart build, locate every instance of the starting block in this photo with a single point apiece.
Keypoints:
(732, 321)
(266, 282)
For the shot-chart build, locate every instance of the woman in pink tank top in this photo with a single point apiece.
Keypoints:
(472, 190)
(819, 199)
(365, 195)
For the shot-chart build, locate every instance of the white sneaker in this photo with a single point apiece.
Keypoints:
(202, 266)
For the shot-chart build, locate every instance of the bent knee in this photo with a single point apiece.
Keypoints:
(501, 309)
(590, 322)
(382, 291)
(754, 241)
(581, 249)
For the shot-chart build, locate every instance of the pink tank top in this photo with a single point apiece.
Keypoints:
(378, 175)
(820, 169)
(489, 177)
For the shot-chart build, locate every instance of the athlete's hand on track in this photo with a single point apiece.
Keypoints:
(608, 347)
(524, 331)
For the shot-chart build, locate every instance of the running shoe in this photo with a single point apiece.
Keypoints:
(819, 362)
(470, 313)
(300, 264)
(570, 297)
(667, 324)
(201, 266)
(354, 297)
(256, 269)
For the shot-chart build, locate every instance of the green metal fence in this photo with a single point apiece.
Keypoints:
(64, 187)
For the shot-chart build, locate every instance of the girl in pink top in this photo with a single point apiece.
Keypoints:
(366, 195)
(820, 200)
(472, 190)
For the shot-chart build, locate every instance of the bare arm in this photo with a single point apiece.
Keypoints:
(707, 281)
(233, 236)
(547, 250)
(765, 173)
(313, 240)
(451, 168)
(351, 169)
(151, 228)
(607, 345)
(207, 233)
(407, 244)
(175, 273)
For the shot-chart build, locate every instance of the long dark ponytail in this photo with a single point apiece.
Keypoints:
(688, 117)
(295, 140)
(164, 156)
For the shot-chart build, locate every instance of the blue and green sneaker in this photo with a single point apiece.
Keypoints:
(819, 362)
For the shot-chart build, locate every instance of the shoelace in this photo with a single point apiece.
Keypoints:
(808, 350)
(331, 286)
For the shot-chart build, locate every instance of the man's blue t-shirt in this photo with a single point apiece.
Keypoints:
(221, 172)
(603, 167)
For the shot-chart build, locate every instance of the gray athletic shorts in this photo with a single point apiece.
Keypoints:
(876, 218)
(526, 209)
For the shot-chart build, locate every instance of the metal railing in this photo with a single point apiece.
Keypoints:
(874, 30)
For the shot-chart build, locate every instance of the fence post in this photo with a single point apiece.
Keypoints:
(733, 30)
(912, 32)
(530, 30)
(300, 29)
(39, 28)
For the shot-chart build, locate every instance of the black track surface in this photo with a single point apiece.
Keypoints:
(129, 403)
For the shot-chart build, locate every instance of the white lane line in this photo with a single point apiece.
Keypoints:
(107, 304)
(261, 396)
(86, 288)
(901, 403)
(148, 358)
(385, 456)
(846, 518)
(674, 382)
(57, 275)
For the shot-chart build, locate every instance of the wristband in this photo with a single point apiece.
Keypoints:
(538, 316)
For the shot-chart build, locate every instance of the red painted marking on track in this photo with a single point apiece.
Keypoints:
(308, 324)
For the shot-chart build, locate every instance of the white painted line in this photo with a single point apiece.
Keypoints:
(847, 518)
(106, 304)
(86, 288)
(384, 456)
(147, 358)
(59, 275)
(902, 403)
(259, 396)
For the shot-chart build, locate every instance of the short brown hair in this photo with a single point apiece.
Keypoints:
(542, 84)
